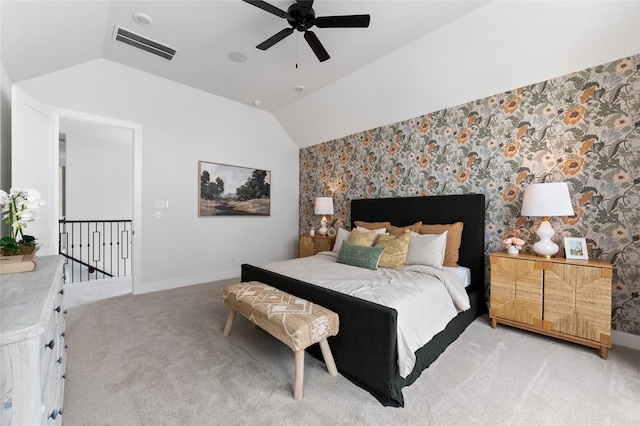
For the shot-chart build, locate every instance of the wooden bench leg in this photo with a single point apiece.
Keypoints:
(227, 327)
(298, 375)
(328, 357)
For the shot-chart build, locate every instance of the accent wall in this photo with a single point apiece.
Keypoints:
(582, 128)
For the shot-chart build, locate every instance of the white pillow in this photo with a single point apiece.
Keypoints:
(377, 231)
(427, 249)
(342, 235)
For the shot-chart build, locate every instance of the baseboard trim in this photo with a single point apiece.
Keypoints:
(627, 340)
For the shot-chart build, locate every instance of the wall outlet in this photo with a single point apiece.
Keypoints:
(161, 204)
(158, 215)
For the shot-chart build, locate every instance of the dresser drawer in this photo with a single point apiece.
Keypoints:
(50, 348)
(52, 391)
(32, 353)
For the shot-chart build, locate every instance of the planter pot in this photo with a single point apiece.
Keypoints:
(22, 250)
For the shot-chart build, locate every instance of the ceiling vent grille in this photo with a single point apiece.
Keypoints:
(143, 43)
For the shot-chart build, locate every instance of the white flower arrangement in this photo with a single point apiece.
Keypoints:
(20, 208)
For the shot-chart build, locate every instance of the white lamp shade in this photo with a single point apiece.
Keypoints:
(324, 205)
(547, 199)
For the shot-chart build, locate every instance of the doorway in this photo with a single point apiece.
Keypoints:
(96, 166)
(96, 206)
(35, 164)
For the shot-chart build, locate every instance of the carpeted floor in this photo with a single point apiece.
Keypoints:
(160, 359)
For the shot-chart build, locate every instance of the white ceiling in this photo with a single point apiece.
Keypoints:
(39, 37)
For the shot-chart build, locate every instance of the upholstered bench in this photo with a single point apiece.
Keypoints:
(294, 321)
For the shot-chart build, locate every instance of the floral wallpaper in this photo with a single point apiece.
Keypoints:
(582, 128)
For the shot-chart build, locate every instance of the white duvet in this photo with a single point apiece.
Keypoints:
(425, 298)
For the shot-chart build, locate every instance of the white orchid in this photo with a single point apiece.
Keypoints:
(20, 208)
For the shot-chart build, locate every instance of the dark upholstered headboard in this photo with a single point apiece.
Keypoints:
(437, 209)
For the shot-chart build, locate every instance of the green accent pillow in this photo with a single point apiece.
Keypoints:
(360, 256)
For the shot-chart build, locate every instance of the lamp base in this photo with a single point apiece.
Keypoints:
(323, 226)
(545, 247)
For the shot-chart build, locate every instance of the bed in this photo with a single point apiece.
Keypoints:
(365, 350)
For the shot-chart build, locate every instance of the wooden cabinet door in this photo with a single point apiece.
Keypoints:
(305, 246)
(577, 301)
(516, 290)
(309, 245)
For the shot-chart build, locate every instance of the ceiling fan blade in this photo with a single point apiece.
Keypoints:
(267, 7)
(343, 21)
(274, 39)
(316, 46)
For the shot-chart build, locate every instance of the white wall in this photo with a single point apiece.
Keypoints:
(5, 130)
(501, 46)
(180, 126)
(99, 179)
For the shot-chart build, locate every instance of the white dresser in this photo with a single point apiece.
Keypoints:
(32, 348)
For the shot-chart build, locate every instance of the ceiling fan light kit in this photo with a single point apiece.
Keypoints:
(302, 17)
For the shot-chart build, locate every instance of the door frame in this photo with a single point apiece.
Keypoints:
(136, 130)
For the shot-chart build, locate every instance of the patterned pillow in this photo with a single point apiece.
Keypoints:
(396, 248)
(362, 238)
(360, 256)
(397, 230)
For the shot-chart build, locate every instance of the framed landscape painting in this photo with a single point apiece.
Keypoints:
(225, 190)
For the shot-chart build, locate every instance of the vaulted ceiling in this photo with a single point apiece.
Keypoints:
(39, 37)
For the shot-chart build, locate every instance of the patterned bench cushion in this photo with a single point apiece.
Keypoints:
(294, 321)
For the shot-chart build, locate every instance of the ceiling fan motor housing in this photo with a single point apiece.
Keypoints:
(300, 16)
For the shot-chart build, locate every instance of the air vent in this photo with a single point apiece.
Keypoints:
(143, 43)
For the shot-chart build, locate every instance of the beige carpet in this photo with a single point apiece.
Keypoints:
(160, 359)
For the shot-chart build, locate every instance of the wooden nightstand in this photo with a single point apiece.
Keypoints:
(563, 298)
(310, 245)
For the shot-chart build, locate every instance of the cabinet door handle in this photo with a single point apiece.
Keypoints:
(62, 334)
(61, 291)
(57, 309)
(53, 415)
(50, 345)
(59, 361)
(64, 376)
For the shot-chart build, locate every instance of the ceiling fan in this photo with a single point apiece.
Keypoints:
(301, 17)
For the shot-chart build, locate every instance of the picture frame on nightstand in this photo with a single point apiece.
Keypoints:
(575, 248)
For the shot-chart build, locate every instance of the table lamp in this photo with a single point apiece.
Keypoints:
(323, 206)
(545, 200)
